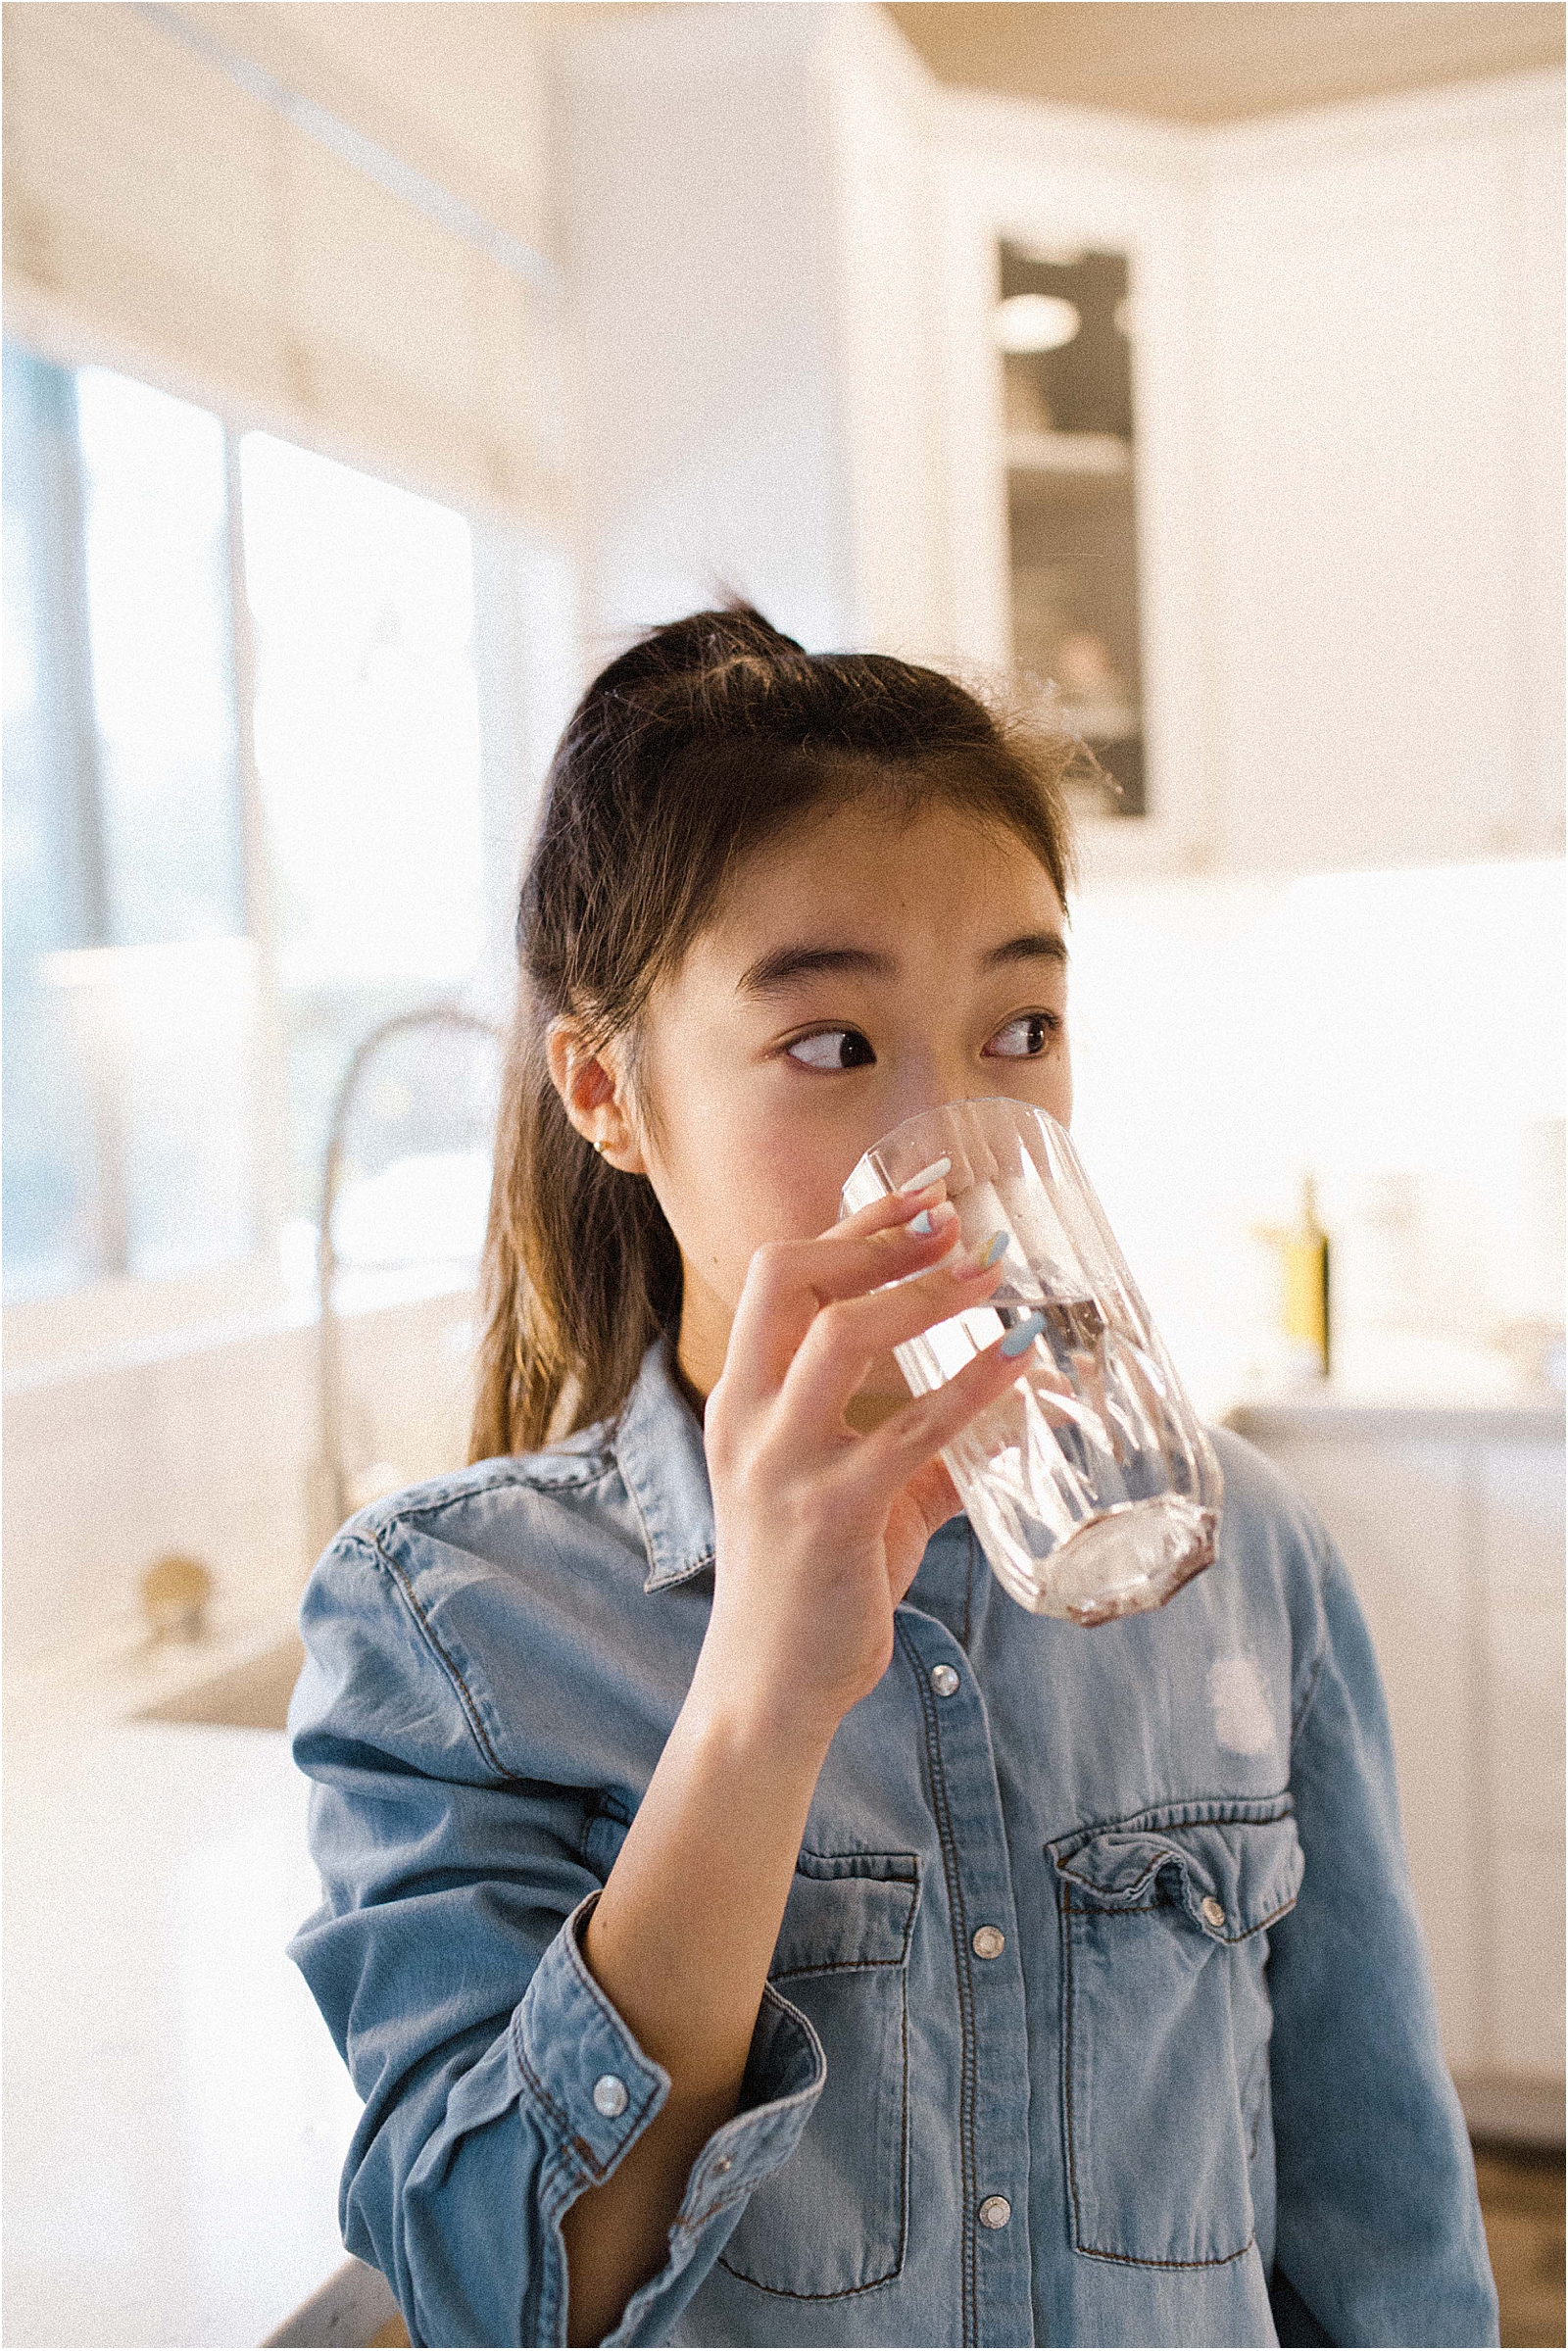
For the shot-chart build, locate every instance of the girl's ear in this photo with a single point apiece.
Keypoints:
(590, 1091)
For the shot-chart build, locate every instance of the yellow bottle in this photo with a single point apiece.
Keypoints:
(1306, 1286)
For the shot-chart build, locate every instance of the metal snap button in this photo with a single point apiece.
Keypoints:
(995, 2212)
(721, 2163)
(609, 2094)
(1213, 1911)
(944, 1680)
(989, 1942)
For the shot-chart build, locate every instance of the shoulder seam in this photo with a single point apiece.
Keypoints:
(599, 1465)
(465, 1697)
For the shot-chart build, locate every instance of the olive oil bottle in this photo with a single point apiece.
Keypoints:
(1307, 1288)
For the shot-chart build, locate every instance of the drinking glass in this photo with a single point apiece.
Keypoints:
(1090, 1482)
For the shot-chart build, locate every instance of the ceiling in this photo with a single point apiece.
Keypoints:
(1184, 61)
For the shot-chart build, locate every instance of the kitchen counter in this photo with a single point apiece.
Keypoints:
(1404, 1384)
(1335, 1411)
(175, 2113)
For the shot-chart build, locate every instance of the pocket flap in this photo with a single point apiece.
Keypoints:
(847, 1910)
(1233, 1872)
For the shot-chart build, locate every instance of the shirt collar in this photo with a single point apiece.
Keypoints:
(658, 1447)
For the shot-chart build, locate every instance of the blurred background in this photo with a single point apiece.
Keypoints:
(370, 374)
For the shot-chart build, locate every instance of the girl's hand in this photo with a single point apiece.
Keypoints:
(820, 1528)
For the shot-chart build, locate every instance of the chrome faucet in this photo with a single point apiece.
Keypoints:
(329, 1498)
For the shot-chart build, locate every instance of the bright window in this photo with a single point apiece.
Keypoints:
(195, 941)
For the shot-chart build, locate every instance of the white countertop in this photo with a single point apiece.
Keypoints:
(175, 2113)
(1397, 1382)
(1328, 1412)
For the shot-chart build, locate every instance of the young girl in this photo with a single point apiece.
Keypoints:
(742, 1922)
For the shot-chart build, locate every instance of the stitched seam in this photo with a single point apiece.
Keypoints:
(579, 2145)
(599, 1466)
(1132, 1910)
(1299, 1724)
(969, 1589)
(967, 2017)
(826, 1967)
(700, 2219)
(910, 1878)
(788, 2293)
(903, 2124)
(557, 2114)
(831, 1967)
(471, 1710)
(1132, 2260)
(1114, 1909)
(1185, 1812)
(1067, 2060)
(596, 1466)
(681, 1574)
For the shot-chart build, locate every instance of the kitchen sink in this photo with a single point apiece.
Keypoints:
(252, 1695)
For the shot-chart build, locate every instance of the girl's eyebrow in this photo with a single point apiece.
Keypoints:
(774, 971)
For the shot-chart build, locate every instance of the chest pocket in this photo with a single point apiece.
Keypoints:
(1166, 2023)
(831, 2220)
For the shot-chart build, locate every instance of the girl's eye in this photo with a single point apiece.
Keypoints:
(1037, 1030)
(832, 1048)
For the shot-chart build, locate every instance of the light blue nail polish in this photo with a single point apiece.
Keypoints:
(993, 1249)
(1023, 1334)
(922, 1224)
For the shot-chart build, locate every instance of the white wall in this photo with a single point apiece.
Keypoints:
(1400, 1034)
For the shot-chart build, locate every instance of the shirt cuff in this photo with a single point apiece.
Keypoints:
(579, 2058)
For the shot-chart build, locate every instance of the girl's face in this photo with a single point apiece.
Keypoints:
(858, 972)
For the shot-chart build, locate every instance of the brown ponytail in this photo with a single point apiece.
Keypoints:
(707, 739)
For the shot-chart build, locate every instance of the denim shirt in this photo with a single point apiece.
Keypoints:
(1100, 2012)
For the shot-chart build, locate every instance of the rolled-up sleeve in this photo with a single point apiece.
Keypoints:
(1380, 2238)
(447, 1961)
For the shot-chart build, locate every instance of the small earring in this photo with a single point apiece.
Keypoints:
(598, 1146)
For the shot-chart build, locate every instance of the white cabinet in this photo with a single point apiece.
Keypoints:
(1049, 178)
(746, 191)
(1386, 431)
(1348, 433)
(782, 243)
(1520, 1763)
(1451, 1525)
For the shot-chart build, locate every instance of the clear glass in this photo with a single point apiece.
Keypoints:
(1091, 1483)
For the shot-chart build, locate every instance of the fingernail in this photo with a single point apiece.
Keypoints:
(1023, 1334)
(987, 1255)
(930, 1218)
(927, 1175)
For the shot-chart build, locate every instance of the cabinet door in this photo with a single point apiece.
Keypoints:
(1387, 445)
(1398, 1510)
(1052, 179)
(1522, 1754)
